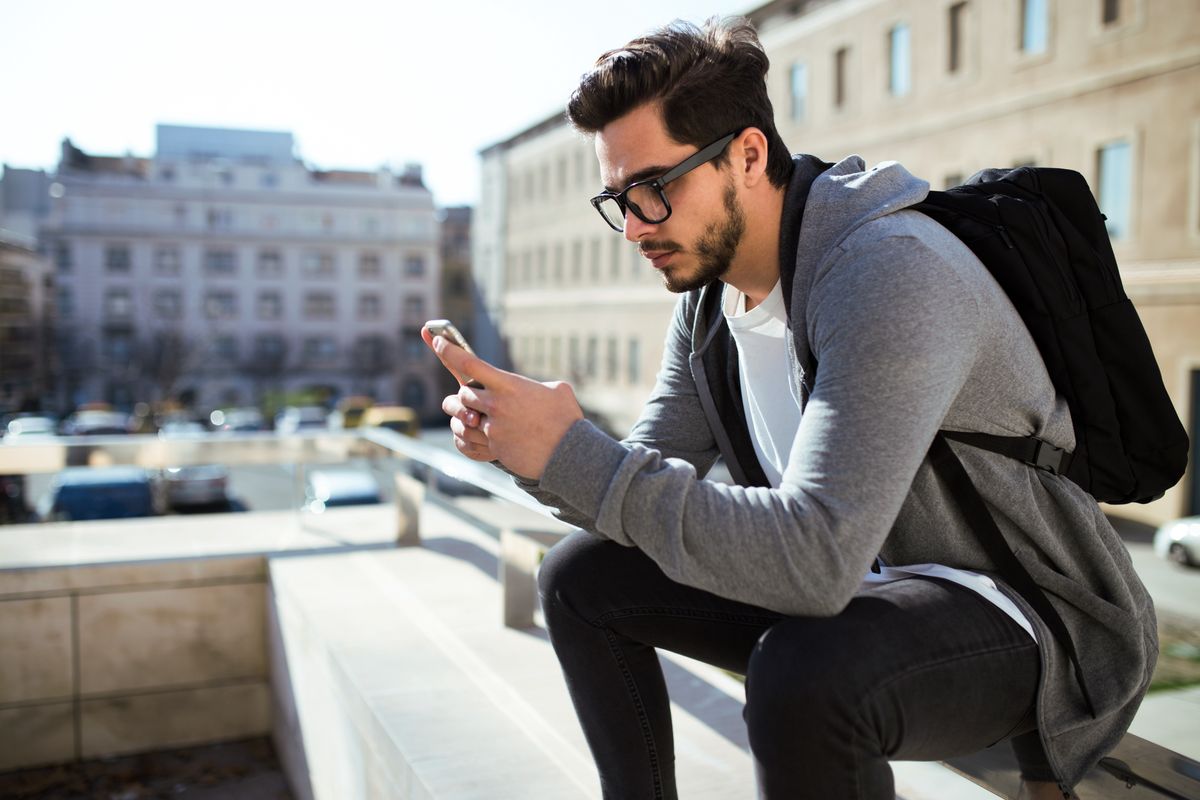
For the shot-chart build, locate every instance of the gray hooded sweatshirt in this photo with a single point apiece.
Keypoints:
(912, 335)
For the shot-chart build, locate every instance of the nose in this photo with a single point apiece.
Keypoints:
(635, 228)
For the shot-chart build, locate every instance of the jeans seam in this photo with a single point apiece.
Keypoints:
(640, 710)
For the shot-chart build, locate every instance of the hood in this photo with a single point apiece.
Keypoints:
(840, 200)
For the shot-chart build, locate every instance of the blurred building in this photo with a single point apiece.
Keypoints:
(1110, 88)
(571, 299)
(26, 325)
(222, 268)
(458, 285)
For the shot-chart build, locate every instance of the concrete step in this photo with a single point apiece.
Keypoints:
(395, 678)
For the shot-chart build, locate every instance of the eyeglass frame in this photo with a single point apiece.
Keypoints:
(697, 159)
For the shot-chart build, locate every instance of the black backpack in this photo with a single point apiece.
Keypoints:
(1042, 236)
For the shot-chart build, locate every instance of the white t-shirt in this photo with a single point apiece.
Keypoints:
(773, 414)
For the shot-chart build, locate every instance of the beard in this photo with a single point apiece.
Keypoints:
(715, 248)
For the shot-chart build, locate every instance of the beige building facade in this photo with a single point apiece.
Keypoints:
(1110, 88)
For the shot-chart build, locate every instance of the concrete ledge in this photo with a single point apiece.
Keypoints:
(404, 685)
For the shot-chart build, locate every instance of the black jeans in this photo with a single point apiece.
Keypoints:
(918, 669)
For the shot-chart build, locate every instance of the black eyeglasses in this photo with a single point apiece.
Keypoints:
(646, 199)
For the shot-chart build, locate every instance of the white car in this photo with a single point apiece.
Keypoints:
(1179, 541)
(30, 428)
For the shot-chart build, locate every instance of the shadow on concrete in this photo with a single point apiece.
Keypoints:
(472, 554)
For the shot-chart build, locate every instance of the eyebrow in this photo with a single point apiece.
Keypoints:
(640, 175)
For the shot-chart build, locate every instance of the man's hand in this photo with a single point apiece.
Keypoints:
(514, 419)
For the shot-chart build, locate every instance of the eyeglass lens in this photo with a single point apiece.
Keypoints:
(645, 200)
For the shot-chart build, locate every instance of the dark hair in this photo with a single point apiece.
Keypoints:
(708, 81)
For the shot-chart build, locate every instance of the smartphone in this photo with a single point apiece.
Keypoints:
(445, 328)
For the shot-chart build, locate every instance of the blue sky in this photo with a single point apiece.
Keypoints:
(360, 83)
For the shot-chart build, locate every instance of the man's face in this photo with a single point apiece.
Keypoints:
(697, 243)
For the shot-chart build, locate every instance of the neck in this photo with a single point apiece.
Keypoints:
(755, 269)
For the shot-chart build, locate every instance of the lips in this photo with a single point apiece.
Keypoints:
(659, 259)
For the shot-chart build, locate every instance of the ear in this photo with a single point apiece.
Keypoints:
(751, 144)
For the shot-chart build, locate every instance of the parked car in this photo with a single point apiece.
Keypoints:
(291, 419)
(96, 422)
(329, 488)
(401, 419)
(349, 411)
(79, 493)
(27, 428)
(182, 428)
(1179, 541)
(234, 420)
(196, 485)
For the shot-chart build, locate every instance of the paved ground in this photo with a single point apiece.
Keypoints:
(245, 770)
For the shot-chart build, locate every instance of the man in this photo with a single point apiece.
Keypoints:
(823, 336)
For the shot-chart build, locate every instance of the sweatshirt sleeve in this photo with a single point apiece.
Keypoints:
(671, 422)
(894, 332)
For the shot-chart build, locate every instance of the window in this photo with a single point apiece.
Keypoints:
(220, 305)
(270, 264)
(118, 347)
(369, 306)
(612, 360)
(219, 219)
(220, 263)
(319, 305)
(269, 347)
(841, 57)
(116, 258)
(414, 308)
(1114, 165)
(370, 352)
(319, 349)
(617, 243)
(168, 303)
(558, 263)
(577, 261)
(413, 393)
(118, 304)
(1035, 26)
(62, 256)
(414, 265)
(899, 61)
(635, 357)
(166, 261)
(591, 357)
(225, 348)
(369, 267)
(555, 355)
(573, 362)
(956, 15)
(1110, 11)
(799, 91)
(414, 348)
(66, 302)
(319, 265)
(269, 305)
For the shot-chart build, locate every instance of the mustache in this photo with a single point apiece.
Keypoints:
(651, 246)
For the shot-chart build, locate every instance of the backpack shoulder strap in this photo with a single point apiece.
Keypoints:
(958, 484)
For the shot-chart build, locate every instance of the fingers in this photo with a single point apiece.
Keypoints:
(453, 406)
(460, 362)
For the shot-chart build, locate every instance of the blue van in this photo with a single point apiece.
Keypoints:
(80, 493)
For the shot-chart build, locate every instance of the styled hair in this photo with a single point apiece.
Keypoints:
(707, 81)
